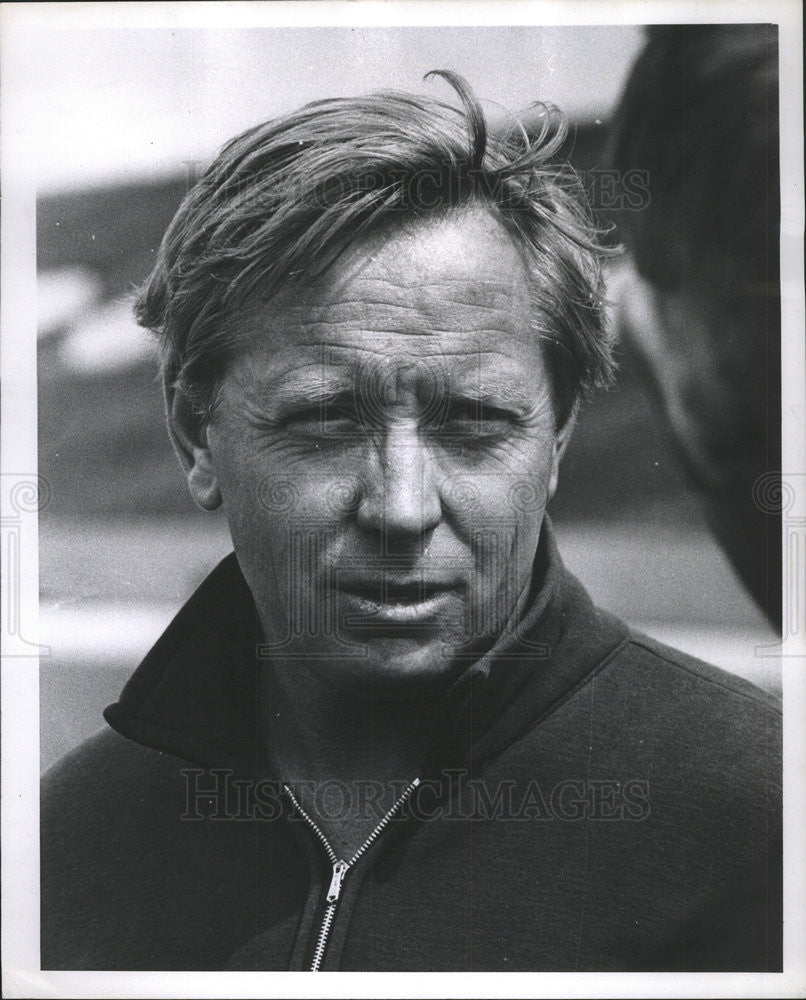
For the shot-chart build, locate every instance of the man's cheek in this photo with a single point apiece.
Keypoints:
(492, 587)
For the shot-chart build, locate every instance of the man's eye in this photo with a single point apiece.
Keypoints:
(472, 421)
(324, 418)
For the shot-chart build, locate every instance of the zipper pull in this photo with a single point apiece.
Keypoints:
(339, 871)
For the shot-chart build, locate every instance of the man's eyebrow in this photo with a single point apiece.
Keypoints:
(301, 387)
(500, 397)
(493, 390)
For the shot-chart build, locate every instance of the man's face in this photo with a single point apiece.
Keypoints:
(385, 447)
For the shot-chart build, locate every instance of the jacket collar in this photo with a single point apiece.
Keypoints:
(196, 693)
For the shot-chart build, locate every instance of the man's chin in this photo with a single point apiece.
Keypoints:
(390, 667)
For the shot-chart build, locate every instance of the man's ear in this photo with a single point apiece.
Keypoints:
(561, 439)
(188, 433)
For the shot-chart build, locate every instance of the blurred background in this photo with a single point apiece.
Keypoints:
(124, 121)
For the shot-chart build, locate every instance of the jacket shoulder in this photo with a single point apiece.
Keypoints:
(99, 773)
(713, 735)
(680, 671)
(110, 831)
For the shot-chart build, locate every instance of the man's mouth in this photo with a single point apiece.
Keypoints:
(412, 602)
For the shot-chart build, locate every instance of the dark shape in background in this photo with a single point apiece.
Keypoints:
(702, 303)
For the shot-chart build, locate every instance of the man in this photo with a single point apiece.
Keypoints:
(391, 732)
(700, 299)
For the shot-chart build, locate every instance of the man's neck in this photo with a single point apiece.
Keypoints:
(346, 756)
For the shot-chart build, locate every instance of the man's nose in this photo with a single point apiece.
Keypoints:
(400, 498)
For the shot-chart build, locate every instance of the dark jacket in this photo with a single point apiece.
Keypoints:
(595, 801)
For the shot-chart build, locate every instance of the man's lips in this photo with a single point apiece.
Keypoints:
(395, 590)
(396, 600)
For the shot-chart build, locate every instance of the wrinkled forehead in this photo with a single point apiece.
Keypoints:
(442, 299)
(463, 249)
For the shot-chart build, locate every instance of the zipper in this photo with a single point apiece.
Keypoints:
(341, 867)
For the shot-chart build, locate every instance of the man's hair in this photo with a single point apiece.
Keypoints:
(283, 200)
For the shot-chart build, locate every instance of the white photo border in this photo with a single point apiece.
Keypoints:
(20, 687)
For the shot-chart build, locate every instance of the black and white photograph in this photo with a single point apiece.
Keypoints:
(404, 499)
